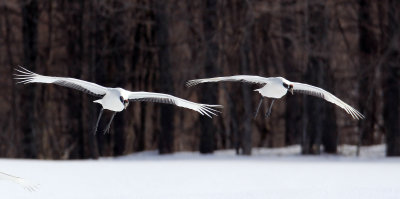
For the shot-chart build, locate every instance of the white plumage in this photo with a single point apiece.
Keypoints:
(24, 183)
(113, 99)
(277, 87)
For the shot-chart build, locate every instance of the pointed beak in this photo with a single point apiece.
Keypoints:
(291, 90)
(126, 103)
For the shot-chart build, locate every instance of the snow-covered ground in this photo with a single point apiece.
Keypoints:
(268, 173)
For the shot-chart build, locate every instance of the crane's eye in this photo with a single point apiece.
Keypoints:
(285, 85)
(121, 99)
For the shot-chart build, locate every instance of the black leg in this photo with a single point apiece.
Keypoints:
(109, 123)
(258, 108)
(98, 120)
(270, 108)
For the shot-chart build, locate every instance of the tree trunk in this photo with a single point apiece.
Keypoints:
(247, 95)
(30, 17)
(317, 114)
(368, 51)
(210, 21)
(15, 137)
(118, 58)
(166, 138)
(136, 57)
(74, 14)
(329, 132)
(293, 103)
(391, 89)
(97, 69)
(312, 122)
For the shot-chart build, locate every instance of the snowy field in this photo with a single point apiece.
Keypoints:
(269, 173)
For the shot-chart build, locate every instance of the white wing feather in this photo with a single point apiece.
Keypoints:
(319, 92)
(242, 78)
(203, 109)
(24, 183)
(25, 76)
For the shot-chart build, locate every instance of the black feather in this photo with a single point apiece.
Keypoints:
(154, 99)
(75, 86)
(313, 93)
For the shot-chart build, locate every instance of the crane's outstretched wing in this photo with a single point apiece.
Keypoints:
(25, 76)
(242, 78)
(24, 183)
(321, 93)
(203, 109)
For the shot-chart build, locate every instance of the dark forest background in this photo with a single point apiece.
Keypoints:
(348, 47)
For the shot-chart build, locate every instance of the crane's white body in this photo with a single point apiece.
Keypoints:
(110, 101)
(114, 99)
(277, 87)
(273, 89)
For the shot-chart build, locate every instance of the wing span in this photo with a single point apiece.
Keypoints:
(241, 78)
(25, 76)
(203, 109)
(321, 93)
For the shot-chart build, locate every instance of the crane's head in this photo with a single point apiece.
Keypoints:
(289, 87)
(125, 102)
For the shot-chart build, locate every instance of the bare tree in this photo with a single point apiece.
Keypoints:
(157, 46)
(30, 16)
(368, 45)
(210, 21)
(166, 137)
(317, 117)
(75, 48)
(245, 53)
(293, 103)
(391, 89)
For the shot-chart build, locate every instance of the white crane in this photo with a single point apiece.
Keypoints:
(277, 87)
(113, 99)
(24, 183)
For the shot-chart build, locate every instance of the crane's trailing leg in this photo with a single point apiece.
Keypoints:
(98, 120)
(109, 123)
(258, 108)
(269, 109)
